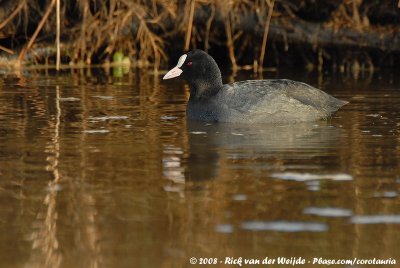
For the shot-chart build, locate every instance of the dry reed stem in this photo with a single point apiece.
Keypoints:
(265, 35)
(13, 14)
(9, 51)
(58, 56)
(190, 25)
(82, 48)
(208, 28)
(356, 15)
(230, 43)
(35, 34)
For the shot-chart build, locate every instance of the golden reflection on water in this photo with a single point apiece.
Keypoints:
(44, 238)
(98, 171)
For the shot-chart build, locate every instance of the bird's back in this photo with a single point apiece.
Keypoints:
(273, 101)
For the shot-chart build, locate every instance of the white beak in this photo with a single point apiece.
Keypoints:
(176, 71)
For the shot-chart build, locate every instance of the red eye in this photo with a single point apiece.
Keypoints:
(189, 63)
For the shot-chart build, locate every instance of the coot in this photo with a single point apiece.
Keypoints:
(251, 101)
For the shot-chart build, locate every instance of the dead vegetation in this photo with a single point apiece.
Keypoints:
(92, 30)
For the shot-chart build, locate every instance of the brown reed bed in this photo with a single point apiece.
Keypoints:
(91, 31)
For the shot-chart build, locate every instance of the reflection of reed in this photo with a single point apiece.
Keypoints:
(44, 239)
(49, 243)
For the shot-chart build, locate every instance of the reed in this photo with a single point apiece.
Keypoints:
(35, 34)
(91, 31)
(265, 35)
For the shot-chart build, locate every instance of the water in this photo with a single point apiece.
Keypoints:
(98, 171)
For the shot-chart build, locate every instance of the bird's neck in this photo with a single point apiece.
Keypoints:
(203, 90)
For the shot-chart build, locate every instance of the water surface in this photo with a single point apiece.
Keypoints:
(99, 171)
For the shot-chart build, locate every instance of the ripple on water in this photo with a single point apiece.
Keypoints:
(172, 169)
(224, 228)
(174, 188)
(110, 117)
(284, 226)
(53, 188)
(373, 115)
(70, 99)
(386, 194)
(293, 176)
(239, 197)
(313, 185)
(328, 211)
(171, 161)
(168, 117)
(375, 219)
(104, 97)
(91, 131)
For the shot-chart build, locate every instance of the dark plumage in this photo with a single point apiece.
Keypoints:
(251, 101)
